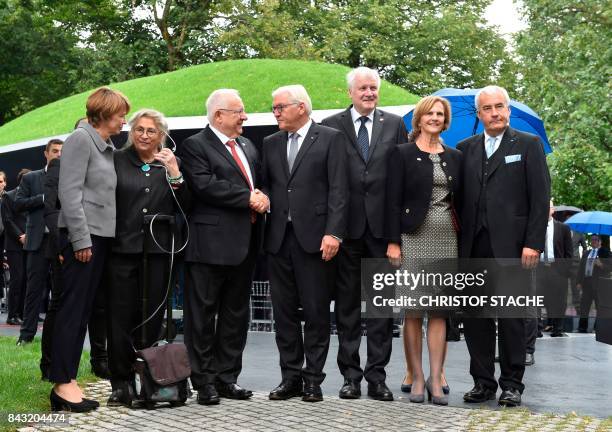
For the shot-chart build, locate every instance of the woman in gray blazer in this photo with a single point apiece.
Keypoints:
(86, 191)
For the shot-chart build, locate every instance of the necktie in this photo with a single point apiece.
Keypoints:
(232, 145)
(590, 261)
(490, 147)
(293, 149)
(362, 138)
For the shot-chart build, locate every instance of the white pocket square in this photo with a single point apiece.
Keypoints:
(513, 158)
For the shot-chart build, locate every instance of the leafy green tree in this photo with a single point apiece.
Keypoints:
(565, 58)
(37, 58)
(417, 44)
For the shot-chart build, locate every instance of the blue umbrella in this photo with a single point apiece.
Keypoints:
(465, 123)
(596, 222)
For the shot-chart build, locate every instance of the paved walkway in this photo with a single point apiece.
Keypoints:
(333, 414)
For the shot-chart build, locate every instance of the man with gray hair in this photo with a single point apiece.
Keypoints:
(372, 133)
(305, 177)
(222, 169)
(504, 214)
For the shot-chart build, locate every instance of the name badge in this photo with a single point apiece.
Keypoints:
(513, 158)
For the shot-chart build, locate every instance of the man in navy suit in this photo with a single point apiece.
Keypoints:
(30, 199)
(372, 134)
(504, 212)
(305, 177)
(223, 171)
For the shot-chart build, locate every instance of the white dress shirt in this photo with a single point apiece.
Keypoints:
(224, 139)
(548, 255)
(357, 123)
(498, 140)
(302, 134)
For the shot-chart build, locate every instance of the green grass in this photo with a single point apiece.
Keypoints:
(183, 93)
(21, 389)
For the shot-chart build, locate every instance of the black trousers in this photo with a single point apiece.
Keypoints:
(17, 286)
(124, 276)
(554, 288)
(37, 269)
(57, 288)
(97, 328)
(81, 283)
(480, 335)
(589, 296)
(215, 349)
(299, 278)
(347, 298)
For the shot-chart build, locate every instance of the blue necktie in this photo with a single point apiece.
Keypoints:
(362, 138)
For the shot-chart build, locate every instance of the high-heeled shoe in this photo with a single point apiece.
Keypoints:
(406, 388)
(60, 404)
(437, 400)
(417, 397)
(445, 388)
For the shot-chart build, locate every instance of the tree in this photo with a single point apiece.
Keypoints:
(37, 58)
(417, 44)
(566, 66)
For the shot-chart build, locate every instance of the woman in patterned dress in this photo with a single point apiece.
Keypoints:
(422, 182)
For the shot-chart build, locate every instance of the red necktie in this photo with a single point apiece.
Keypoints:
(232, 146)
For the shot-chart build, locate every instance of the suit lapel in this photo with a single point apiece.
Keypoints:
(506, 145)
(477, 148)
(220, 148)
(282, 149)
(309, 139)
(377, 128)
(349, 129)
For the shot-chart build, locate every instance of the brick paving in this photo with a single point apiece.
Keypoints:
(333, 414)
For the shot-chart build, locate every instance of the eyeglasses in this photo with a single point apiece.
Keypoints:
(281, 107)
(238, 112)
(149, 132)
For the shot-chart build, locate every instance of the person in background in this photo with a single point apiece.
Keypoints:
(14, 239)
(423, 182)
(87, 222)
(593, 264)
(30, 200)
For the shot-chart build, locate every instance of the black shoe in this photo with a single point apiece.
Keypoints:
(232, 391)
(558, 334)
(22, 341)
(312, 393)
(61, 404)
(406, 388)
(14, 321)
(350, 390)
(286, 390)
(207, 395)
(100, 369)
(479, 394)
(510, 398)
(380, 391)
(122, 395)
(529, 359)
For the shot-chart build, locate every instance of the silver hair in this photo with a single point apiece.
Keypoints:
(157, 117)
(217, 100)
(362, 70)
(297, 93)
(491, 89)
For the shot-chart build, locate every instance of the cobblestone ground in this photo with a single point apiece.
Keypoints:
(333, 414)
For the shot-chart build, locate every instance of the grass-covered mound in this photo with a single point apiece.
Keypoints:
(183, 92)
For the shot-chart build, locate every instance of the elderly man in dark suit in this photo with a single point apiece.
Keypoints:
(305, 177)
(14, 239)
(372, 133)
(30, 199)
(592, 265)
(504, 209)
(223, 172)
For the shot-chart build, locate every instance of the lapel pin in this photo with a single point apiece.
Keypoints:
(419, 159)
